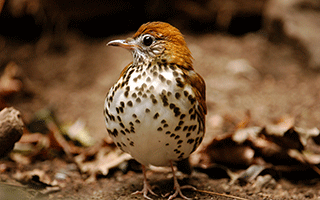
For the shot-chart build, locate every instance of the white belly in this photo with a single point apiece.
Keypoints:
(154, 121)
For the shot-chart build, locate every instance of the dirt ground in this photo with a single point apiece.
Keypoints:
(74, 75)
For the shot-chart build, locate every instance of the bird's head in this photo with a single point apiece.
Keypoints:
(157, 41)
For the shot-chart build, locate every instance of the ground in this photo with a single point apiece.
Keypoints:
(242, 73)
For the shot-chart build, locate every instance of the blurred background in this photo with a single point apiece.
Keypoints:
(256, 55)
(260, 60)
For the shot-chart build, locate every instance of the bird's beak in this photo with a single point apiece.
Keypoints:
(127, 44)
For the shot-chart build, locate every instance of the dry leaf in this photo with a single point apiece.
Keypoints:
(104, 160)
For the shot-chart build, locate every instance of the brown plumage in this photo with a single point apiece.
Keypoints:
(156, 110)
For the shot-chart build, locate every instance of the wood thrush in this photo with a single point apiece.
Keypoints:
(156, 110)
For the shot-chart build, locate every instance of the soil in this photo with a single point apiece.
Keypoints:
(73, 75)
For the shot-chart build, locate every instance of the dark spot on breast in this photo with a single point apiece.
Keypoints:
(177, 137)
(193, 117)
(165, 125)
(175, 74)
(119, 118)
(191, 99)
(179, 142)
(168, 82)
(167, 144)
(156, 116)
(162, 78)
(129, 103)
(172, 106)
(168, 132)
(148, 79)
(107, 113)
(172, 135)
(180, 123)
(154, 101)
(159, 129)
(155, 74)
(124, 133)
(122, 104)
(182, 116)
(138, 100)
(134, 95)
(126, 93)
(137, 121)
(144, 95)
(131, 143)
(164, 99)
(163, 121)
(147, 110)
(176, 111)
(186, 93)
(179, 82)
(113, 133)
(121, 109)
(177, 95)
(190, 141)
(185, 128)
(188, 134)
(177, 128)
(134, 115)
(121, 124)
(194, 127)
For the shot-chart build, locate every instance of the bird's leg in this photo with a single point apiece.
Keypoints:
(146, 186)
(178, 188)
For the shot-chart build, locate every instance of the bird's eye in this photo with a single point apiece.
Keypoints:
(147, 40)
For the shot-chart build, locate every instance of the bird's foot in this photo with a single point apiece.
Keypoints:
(178, 191)
(146, 189)
(146, 186)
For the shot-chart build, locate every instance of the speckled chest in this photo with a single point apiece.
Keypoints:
(151, 113)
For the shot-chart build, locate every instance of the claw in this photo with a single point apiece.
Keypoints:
(178, 188)
(146, 186)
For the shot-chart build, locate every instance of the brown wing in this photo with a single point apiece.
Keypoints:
(199, 88)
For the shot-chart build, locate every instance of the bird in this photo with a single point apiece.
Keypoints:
(156, 110)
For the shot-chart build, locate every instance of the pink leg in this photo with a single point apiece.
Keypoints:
(177, 186)
(146, 186)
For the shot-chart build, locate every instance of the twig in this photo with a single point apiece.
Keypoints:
(219, 194)
(312, 166)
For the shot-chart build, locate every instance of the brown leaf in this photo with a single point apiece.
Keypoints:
(225, 150)
(103, 160)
